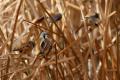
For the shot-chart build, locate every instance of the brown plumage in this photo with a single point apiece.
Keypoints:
(45, 44)
(26, 48)
(93, 19)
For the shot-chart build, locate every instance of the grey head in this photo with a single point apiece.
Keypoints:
(43, 35)
(94, 19)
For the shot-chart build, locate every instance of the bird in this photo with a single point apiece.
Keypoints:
(26, 48)
(45, 44)
(93, 19)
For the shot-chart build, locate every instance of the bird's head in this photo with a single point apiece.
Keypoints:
(43, 35)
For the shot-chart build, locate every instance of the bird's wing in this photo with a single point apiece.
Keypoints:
(45, 47)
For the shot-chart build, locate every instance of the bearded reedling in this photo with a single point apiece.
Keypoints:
(93, 19)
(25, 51)
(25, 48)
(45, 44)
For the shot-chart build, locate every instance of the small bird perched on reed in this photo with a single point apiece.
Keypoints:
(45, 44)
(26, 48)
(93, 19)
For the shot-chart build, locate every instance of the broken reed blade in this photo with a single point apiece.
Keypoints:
(40, 19)
(57, 17)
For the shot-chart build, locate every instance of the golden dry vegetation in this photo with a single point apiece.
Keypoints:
(85, 41)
